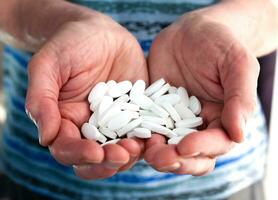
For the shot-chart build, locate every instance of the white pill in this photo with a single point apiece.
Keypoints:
(118, 122)
(138, 88)
(128, 106)
(111, 113)
(183, 131)
(189, 123)
(133, 114)
(142, 101)
(111, 83)
(107, 132)
(195, 105)
(154, 87)
(184, 95)
(89, 131)
(173, 90)
(158, 110)
(158, 129)
(120, 89)
(183, 111)
(142, 133)
(94, 119)
(169, 123)
(173, 99)
(97, 93)
(147, 113)
(130, 126)
(157, 120)
(111, 142)
(172, 111)
(175, 140)
(122, 99)
(101, 138)
(161, 91)
(106, 102)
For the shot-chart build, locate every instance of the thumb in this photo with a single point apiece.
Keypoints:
(42, 97)
(239, 75)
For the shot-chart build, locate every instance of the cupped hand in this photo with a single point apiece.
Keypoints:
(205, 57)
(61, 75)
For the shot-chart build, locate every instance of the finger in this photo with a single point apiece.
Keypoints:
(69, 149)
(155, 143)
(210, 142)
(134, 150)
(78, 112)
(166, 159)
(155, 139)
(115, 156)
(239, 75)
(93, 171)
(42, 97)
(196, 166)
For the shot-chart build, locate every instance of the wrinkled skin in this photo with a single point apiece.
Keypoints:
(207, 59)
(61, 75)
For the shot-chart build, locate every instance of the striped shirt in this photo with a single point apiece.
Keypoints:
(30, 165)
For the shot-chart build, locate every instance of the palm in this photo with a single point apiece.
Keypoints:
(73, 64)
(210, 63)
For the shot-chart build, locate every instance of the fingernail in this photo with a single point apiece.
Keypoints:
(172, 167)
(192, 155)
(82, 167)
(113, 165)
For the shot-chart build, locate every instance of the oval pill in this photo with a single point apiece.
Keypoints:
(158, 110)
(97, 93)
(183, 111)
(142, 133)
(173, 99)
(107, 132)
(169, 123)
(158, 128)
(157, 120)
(138, 88)
(120, 89)
(161, 91)
(111, 142)
(129, 127)
(195, 105)
(154, 87)
(118, 122)
(94, 119)
(111, 113)
(184, 95)
(122, 99)
(173, 90)
(89, 131)
(106, 102)
(101, 138)
(190, 123)
(172, 111)
(110, 84)
(142, 101)
(129, 106)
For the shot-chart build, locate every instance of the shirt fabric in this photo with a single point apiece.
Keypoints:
(30, 165)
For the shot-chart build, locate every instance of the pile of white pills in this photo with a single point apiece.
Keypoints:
(124, 110)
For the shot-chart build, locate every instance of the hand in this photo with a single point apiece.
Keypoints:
(62, 73)
(207, 59)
